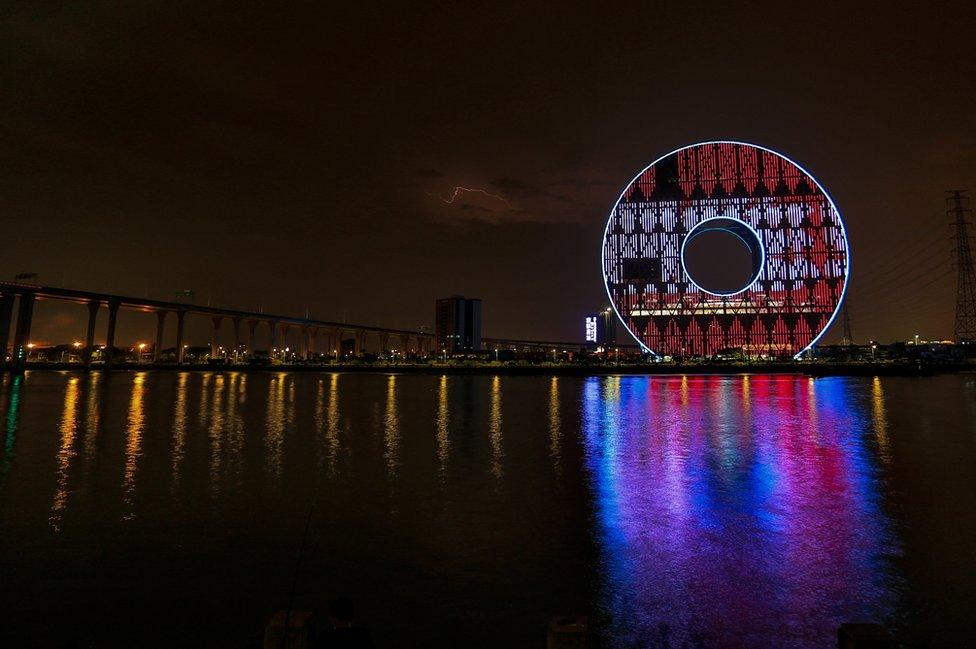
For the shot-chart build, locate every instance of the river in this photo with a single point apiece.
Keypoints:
(168, 508)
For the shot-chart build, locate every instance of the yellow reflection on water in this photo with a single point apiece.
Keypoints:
(275, 430)
(495, 426)
(319, 419)
(66, 453)
(93, 412)
(179, 429)
(234, 428)
(332, 422)
(880, 420)
(746, 401)
(202, 411)
(133, 442)
(443, 423)
(391, 428)
(555, 427)
(216, 432)
(813, 415)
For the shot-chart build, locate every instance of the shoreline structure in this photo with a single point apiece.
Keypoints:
(564, 369)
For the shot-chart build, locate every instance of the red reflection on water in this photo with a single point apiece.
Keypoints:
(734, 510)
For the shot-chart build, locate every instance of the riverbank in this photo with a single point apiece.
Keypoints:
(562, 369)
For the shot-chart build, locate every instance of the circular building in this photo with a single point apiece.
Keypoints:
(725, 248)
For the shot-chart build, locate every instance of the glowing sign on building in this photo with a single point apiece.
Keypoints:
(591, 329)
(784, 217)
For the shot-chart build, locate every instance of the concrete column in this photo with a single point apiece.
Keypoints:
(25, 313)
(6, 311)
(384, 341)
(273, 326)
(303, 343)
(283, 341)
(237, 336)
(213, 337)
(160, 328)
(335, 342)
(360, 342)
(405, 343)
(113, 313)
(93, 308)
(313, 347)
(252, 338)
(180, 315)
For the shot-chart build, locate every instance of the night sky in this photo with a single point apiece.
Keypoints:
(281, 156)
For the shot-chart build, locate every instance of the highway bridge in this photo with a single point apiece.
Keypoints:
(313, 334)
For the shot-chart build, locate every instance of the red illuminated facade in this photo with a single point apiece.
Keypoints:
(800, 250)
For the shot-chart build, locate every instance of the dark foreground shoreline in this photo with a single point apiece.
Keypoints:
(665, 369)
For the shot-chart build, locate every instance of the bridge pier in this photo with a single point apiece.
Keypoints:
(284, 338)
(359, 343)
(180, 316)
(335, 342)
(214, 336)
(303, 343)
(160, 328)
(384, 341)
(313, 347)
(113, 315)
(237, 336)
(273, 345)
(6, 311)
(252, 326)
(25, 313)
(93, 308)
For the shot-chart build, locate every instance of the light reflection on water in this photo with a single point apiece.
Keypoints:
(179, 429)
(442, 421)
(332, 423)
(555, 429)
(133, 445)
(67, 452)
(716, 522)
(713, 511)
(391, 428)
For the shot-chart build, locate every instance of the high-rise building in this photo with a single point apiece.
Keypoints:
(599, 328)
(457, 323)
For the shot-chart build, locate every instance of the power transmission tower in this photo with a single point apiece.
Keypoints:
(848, 339)
(957, 208)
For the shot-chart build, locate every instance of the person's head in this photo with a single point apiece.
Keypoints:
(341, 612)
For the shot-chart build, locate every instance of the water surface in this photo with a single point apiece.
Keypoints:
(167, 509)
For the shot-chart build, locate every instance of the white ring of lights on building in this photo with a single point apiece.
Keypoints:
(805, 263)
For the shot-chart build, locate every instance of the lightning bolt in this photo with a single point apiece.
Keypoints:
(460, 191)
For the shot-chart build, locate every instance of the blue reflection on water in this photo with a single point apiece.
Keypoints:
(735, 510)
